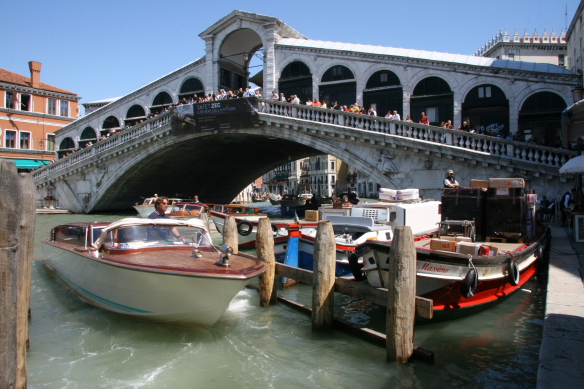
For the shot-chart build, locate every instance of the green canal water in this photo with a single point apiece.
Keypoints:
(74, 345)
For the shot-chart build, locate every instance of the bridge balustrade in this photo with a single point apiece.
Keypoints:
(549, 156)
(106, 144)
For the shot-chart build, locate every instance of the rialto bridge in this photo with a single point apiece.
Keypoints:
(154, 157)
(513, 96)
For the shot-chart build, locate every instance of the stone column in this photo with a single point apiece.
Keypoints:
(315, 90)
(513, 117)
(406, 104)
(457, 119)
(270, 82)
(211, 68)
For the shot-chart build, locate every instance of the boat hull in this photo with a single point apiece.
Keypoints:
(441, 277)
(180, 299)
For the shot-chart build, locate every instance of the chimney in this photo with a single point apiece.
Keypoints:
(35, 73)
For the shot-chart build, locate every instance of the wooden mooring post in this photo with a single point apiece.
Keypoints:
(230, 234)
(16, 247)
(323, 286)
(400, 299)
(265, 253)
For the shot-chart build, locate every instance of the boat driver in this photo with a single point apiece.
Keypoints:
(158, 233)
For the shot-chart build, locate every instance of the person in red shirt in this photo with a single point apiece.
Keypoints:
(424, 119)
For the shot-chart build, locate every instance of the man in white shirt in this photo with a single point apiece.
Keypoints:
(396, 115)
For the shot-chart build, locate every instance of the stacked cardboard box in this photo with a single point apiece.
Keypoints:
(465, 204)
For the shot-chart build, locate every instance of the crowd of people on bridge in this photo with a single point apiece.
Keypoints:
(294, 99)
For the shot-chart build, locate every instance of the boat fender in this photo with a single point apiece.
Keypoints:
(470, 283)
(244, 228)
(513, 273)
(356, 267)
(540, 256)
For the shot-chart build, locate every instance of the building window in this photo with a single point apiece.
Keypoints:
(332, 165)
(25, 102)
(484, 91)
(383, 77)
(432, 114)
(561, 60)
(25, 140)
(10, 139)
(52, 107)
(511, 56)
(8, 101)
(51, 142)
(64, 108)
(332, 179)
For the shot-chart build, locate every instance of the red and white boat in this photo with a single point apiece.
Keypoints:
(459, 273)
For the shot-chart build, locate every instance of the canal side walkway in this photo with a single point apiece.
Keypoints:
(561, 364)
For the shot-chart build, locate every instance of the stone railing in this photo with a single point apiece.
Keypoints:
(548, 156)
(513, 150)
(106, 144)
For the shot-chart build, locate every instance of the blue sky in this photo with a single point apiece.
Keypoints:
(109, 48)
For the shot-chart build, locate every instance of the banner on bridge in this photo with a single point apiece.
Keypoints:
(215, 115)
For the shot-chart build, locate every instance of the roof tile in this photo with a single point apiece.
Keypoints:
(15, 78)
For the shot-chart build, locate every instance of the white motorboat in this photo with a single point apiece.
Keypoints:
(138, 267)
(147, 207)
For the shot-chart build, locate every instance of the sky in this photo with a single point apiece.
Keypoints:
(107, 48)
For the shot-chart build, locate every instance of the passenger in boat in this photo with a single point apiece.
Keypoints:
(157, 233)
(450, 181)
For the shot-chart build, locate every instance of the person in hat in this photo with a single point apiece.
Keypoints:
(450, 181)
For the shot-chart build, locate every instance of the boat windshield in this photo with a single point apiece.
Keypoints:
(155, 235)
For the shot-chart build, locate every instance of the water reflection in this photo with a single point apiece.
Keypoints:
(74, 345)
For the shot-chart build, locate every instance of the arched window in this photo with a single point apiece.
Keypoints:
(337, 73)
(433, 96)
(110, 125)
(344, 93)
(88, 135)
(384, 93)
(135, 115)
(296, 79)
(541, 117)
(190, 87)
(162, 99)
(135, 111)
(487, 106)
(67, 145)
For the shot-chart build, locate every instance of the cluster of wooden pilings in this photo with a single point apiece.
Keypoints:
(399, 298)
(17, 218)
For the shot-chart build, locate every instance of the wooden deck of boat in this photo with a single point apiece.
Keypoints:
(181, 259)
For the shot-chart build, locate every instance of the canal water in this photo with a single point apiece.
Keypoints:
(74, 345)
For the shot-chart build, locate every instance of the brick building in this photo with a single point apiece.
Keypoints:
(30, 114)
